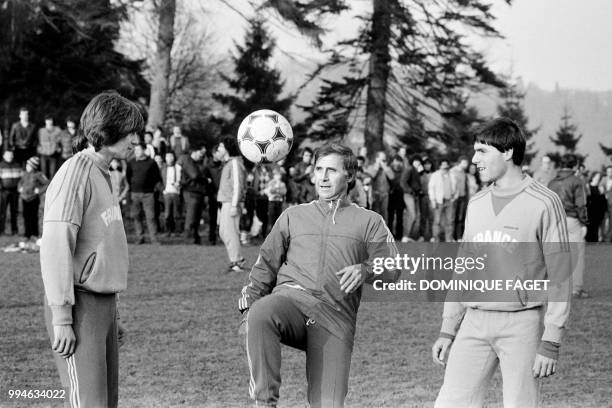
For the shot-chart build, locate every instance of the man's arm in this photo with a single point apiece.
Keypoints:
(262, 278)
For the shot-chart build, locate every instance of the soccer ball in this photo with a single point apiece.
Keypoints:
(265, 136)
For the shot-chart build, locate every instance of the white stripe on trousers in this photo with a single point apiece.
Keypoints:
(251, 378)
(75, 399)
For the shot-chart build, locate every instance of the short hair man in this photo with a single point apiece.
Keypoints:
(84, 254)
(305, 288)
(546, 172)
(22, 138)
(49, 147)
(519, 210)
(442, 192)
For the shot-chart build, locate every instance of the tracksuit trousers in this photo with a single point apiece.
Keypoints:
(485, 340)
(274, 320)
(91, 375)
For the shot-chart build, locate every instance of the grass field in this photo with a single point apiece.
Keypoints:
(183, 351)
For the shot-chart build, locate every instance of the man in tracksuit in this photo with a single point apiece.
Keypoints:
(520, 333)
(84, 256)
(305, 288)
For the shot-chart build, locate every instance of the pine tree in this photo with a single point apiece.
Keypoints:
(59, 53)
(511, 106)
(566, 136)
(457, 130)
(255, 84)
(606, 150)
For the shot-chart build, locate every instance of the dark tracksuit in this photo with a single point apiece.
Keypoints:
(194, 185)
(10, 174)
(143, 176)
(293, 296)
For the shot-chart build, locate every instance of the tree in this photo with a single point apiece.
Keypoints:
(457, 130)
(511, 106)
(165, 10)
(255, 84)
(606, 150)
(194, 66)
(413, 53)
(55, 55)
(566, 136)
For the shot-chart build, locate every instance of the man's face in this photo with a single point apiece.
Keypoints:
(24, 116)
(463, 164)
(139, 152)
(416, 164)
(307, 157)
(148, 138)
(402, 151)
(381, 157)
(331, 180)
(489, 161)
(8, 156)
(169, 159)
(176, 131)
(71, 126)
(444, 165)
(396, 165)
(124, 148)
(360, 163)
(221, 152)
(546, 163)
(48, 123)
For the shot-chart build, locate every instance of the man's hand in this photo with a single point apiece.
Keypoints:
(121, 334)
(544, 366)
(440, 349)
(234, 211)
(350, 277)
(64, 342)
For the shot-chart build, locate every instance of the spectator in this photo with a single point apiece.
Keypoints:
(381, 173)
(546, 172)
(159, 142)
(66, 138)
(248, 212)
(10, 174)
(119, 183)
(31, 186)
(425, 227)
(473, 180)
(293, 188)
(260, 182)
(179, 144)
(276, 191)
(361, 174)
(605, 186)
(396, 199)
(596, 208)
(212, 172)
(357, 194)
(22, 138)
(171, 192)
(143, 176)
(231, 196)
(410, 183)
(148, 141)
(303, 169)
(441, 193)
(49, 147)
(309, 191)
(461, 196)
(571, 190)
(194, 185)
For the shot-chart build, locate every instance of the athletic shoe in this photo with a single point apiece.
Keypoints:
(581, 294)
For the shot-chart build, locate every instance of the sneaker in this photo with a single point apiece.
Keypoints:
(235, 267)
(581, 294)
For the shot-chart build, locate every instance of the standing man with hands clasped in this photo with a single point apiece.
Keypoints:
(305, 288)
(522, 336)
(84, 254)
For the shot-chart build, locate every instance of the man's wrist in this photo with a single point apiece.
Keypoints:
(447, 336)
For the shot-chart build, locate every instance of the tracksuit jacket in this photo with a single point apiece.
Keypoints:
(308, 244)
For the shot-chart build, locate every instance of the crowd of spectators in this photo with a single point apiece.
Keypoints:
(171, 187)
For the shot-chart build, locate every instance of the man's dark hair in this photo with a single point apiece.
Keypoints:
(442, 160)
(108, 118)
(48, 116)
(349, 161)
(148, 132)
(231, 145)
(24, 109)
(70, 119)
(415, 157)
(569, 161)
(503, 134)
(398, 158)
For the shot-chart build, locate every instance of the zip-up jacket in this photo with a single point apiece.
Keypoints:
(572, 192)
(307, 245)
(83, 241)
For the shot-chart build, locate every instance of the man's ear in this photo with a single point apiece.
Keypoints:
(508, 154)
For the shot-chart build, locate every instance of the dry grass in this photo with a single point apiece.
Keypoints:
(183, 349)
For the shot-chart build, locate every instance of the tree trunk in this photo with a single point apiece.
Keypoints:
(165, 38)
(378, 76)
